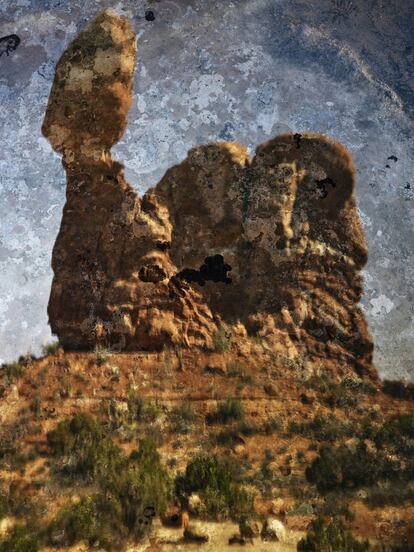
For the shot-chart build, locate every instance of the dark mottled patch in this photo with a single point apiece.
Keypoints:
(8, 44)
(214, 269)
(297, 137)
(321, 186)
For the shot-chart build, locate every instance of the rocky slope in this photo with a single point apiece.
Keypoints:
(269, 418)
(270, 246)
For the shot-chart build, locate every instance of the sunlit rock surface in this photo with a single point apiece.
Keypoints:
(273, 243)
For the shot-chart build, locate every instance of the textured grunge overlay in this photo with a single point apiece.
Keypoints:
(139, 274)
(244, 71)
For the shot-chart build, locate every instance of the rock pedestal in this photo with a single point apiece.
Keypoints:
(273, 244)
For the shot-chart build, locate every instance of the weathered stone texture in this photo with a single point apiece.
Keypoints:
(272, 243)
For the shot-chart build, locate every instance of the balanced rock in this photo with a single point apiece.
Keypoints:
(113, 278)
(273, 244)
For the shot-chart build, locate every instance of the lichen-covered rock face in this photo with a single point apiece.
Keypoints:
(271, 244)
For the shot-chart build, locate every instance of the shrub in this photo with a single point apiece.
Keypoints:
(230, 410)
(4, 507)
(36, 405)
(95, 519)
(219, 487)
(102, 355)
(129, 486)
(341, 396)
(359, 385)
(341, 468)
(10, 437)
(399, 389)
(396, 432)
(215, 505)
(322, 428)
(335, 504)
(236, 369)
(396, 436)
(13, 370)
(83, 448)
(150, 411)
(20, 539)
(272, 424)
(322, 383)
(25, 360)
(182, 418)
(139, 410)
(328, 537)
(222, 339)
(232, 434)
(22, 505)
(394, 493)
(135, 406)
(50, 348)
(344, 393)
(143, 484)
(266, 474)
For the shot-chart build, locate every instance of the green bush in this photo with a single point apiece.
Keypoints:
(272, 424)
(231, 435)
(342, 394)
(228, 411)
(236, 369)
(95, 519)
(20, 539)
(341, 468)
(322, 428)
(142, 484)
(83, 448)
(218, 485)
(322, 383)
(182, 418)
(135, 406)
(150, 411)
(4, 506)
(13, 370)
(10, 437)
(22, 505)
(397, 433)
(128, 486)
(330, 537)
(394, 493)
(140, 410)
(102, 355)
(399, 389)
(335, 504)
(354, 383)
(222, 340)
(36, 405)
(50, 348)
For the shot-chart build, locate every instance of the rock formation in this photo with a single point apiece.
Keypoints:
(272, 244)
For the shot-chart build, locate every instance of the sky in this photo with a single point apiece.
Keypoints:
(245, 70)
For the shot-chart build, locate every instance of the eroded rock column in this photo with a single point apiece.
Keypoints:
(111, 264)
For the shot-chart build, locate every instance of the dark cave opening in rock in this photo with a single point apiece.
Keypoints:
(214, 269)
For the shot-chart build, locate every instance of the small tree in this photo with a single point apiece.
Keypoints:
(214, 480)
(19, 540)
(330, 537)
